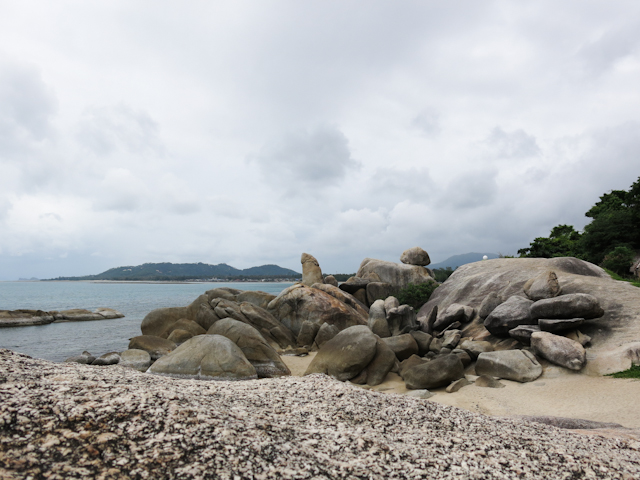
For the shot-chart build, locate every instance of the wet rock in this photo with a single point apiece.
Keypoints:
(206, 357)
(559, 350)
(402, 345)
(574, 305)
(513, 312)
(545, 285)
(438, 372)
(346, 354)
(518, 365)
(156, 346)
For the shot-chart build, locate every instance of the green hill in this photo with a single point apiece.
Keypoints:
(187, 271)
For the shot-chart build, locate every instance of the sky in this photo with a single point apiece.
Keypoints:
(249, 132)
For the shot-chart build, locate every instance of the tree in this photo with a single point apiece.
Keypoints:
(564, 241)
(619, 260)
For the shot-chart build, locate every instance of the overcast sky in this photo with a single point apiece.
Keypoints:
(249, 132)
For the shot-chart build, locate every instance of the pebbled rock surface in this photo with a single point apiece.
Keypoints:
(77, 421)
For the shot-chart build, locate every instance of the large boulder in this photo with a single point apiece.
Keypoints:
(78, 315)
(401, 320)
(190, 326)
(331, 280)
(206, 357)
(489, 303)
(378, 290)
(156, 346)
(559, 350)
(345, 355)
(519, 365)
(158, 322)
(136, 359)
(378, 319)
(415, 256)
(111, 358)
(85, 358)
(437, 373)
(545, 285)
(382, 363)
(256, 297)
(403, 346)
(298, 303)
(325, 333)
(263, 321)
(513, 312)
(262, 356)
(201, 312)
(109, 313)
(454, 313)
(574, 305)
(311, 272)
(179, 336)
(399, 275)
(344, 297)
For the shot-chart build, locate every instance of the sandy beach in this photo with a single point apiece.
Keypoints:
(558, 392)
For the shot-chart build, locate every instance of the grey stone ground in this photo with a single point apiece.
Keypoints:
(73, 421)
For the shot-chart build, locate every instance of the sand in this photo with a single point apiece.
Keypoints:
(557, 393)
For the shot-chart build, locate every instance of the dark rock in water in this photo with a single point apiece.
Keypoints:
(437, 373)
(553, 325)
(346, 354)
(508, 315)
(403, 346)
(111, 358)
(522, 333)
(574, 305)
(255, 348)
(156, 346)
(212, 357)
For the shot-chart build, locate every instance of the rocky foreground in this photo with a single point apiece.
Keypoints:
(72, 420)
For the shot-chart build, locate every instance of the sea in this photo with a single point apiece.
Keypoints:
(58, 341)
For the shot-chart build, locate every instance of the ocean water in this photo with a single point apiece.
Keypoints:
(58, 341)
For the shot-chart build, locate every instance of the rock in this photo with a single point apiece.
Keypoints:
(201, 312)
(158, 322)
(229, 309)
(574, 305)
(381, 365)
(523, 333)
(450, 339)
(190, 326)
(518, 365)
(298, 303)
(398, 275)
(262, 356)
(361, 295)
(378, 290)
(78, 315)
(410, 362)
(579, 337)
(136, 359)
(423, 340)
(436, 345)
(111, 358)
(488, 382)
(615, 360)
(325, 333)
(457, 385)
(488, 305)
(402, 345)
(156, 346)
(429, 321)
(390, 302)
(108, 313)
(464, 357)
(307, 334)
(85, 358)
(455, 312)
(508, 315)
(353, 284)
(230, 294)
(263, 320)
(545, 285)
(255, 297)
(331, 280)
(438, 372)
(294, 352)
(401, 320)
(345, 355)
(206, 357)
(415, 256)
(378, 319)
(475, 347)
(311, 272)
(345, 298)
(423, 394)
(25, 318)
(553, 325)
(559, 350)
(179, 336)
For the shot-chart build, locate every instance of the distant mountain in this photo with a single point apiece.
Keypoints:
(457, 260)
(186, 271)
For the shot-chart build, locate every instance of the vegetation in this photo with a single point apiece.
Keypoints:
(416, 295)
(442, 274)
(615, 276)
(633, 372)
(611, 239)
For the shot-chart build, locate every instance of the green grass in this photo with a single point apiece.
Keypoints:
(615, 276)
(633, 372)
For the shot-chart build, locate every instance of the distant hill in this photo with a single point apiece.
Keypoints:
(187, 271)
(457, 260)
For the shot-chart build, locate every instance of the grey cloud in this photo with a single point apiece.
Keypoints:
(472, 190)
(614, 44)
(51, 215)
(103, 130)
(390, 186)
(512, 145)
(428, 122)
(316, 158)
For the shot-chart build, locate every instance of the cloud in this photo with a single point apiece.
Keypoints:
(611, 46)
(428, 122)
(471, 190)
(317, 158)
(516, 144)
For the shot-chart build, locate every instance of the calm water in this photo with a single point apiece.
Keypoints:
(58, 341)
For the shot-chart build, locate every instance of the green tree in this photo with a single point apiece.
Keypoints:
(564, 241)
(416, 295)
(442, 274)
(619, 260)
